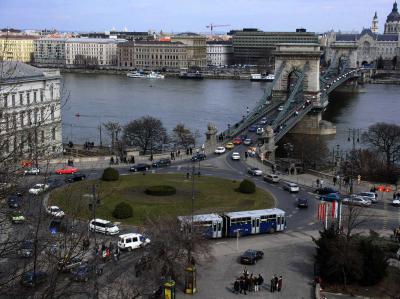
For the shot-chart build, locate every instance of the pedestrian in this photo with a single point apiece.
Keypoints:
(241, 286)
(276, 282)
(236, 286)
(179, 153)
(116, 160)
(250, 282)
(151, 157)
(187, 152)
(245, 273)
(190, 151)
(317, 183)
(260, 281)
(321, 183)
(246, 154)
(172, 155)
(111, 246)
(116, 254)
(246, 285)
(334, 180)
(273, 284)
(255, 283)
(133, 159)
(279, 284)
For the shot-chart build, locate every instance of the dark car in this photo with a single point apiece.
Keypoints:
(251, 256)
(75, 177)
(330, 197)
(198, 157)
(252, 128)
(14, 201)
(66, 265)
(161, 163)
(32, 279)
(85, 271)
(302, 202)
(139, 167)
(325, 191)
(26, 249)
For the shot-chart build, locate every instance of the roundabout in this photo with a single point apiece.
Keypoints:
(211, 194)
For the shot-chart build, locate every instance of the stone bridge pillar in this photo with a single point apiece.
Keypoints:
(268, 147)
(346, 50)
(211, 138)
(295, 57)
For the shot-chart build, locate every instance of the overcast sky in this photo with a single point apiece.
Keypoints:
(192, 15)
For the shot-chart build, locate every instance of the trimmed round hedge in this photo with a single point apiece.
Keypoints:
(247, 187)
(160, 190)
(122, 210)
(110, 174)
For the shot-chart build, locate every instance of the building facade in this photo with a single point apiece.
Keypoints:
(152, 55)
(50, 52)
(219, 53)
(30, 111)
(254, 47)
(17, 47)
(196, 48)
(91, 52)
(379, 50)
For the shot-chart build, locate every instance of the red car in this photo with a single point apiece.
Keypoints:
(237, 141)
(67, 170)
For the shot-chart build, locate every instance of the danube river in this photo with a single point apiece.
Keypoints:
(102, 98)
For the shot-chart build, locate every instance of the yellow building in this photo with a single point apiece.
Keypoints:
(17, 48)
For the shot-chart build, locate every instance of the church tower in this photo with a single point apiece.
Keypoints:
(392, 25)
(374, 27)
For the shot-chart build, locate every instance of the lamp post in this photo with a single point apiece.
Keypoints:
(354, 137)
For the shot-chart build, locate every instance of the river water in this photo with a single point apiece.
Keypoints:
(100, 98)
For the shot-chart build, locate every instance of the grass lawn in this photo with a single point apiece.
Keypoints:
(211, 195)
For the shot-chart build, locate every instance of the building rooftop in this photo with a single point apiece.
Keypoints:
(95, 40)
(12, 71)
(187, 34)
(220, 42)
(13, 37)
(354, 37)
(394, 16)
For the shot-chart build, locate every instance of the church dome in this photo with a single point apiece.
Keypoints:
(394, 16)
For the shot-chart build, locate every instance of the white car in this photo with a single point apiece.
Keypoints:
(38, 188)
(263, 121)
(55, 211)
(291, 187)
(356, 201)
(254, 171)
(132, 241)
(235, 156)
(280, 108)
(260, 131)
(103, 226)
(32, 171)
(220, 150)
(369, 196)
(396, 202)
(247, 141)
(271, 178)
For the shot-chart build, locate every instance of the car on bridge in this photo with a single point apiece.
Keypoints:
(229, 145)
(260, 131)
(237, 141)
(254, 171)
(220, 150)
(235, 156)
(263, 121)
(247, 141)
(280, 108)
(252, 128)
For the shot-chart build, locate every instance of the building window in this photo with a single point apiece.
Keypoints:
(13, 100)
(51, 92)
(21, 99)
(29, 117)
(41, 95)
(42, 136)
(5, 101)
(21, 118)
(42, 111)
(34, 96)
(53, 134)
(28, 98)
(35, 116)
(52, 112)
(14, 121)
(7, 122)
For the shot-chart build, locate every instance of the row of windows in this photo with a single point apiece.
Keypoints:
(29, 117)
(30, 140)
(31, 97)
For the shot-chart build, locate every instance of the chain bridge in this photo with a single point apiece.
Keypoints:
(295, 100)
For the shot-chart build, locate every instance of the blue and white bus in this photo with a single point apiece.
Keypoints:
(212, 224)
(245, 222)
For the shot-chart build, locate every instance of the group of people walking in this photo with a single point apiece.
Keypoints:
(252, 283)
(247, 283)
(105, 251)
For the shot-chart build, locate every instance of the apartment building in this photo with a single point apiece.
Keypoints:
(50, 52)
(17, 47)
(196, 48)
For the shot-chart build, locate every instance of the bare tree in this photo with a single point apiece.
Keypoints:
(182, 136)
(147, 133)
(113, 129)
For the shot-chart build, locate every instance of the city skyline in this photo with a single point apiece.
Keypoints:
(179, 16)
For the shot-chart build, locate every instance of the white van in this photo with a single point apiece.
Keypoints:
(103, 226)
(271, 178)
(132, 241)
(291, 187)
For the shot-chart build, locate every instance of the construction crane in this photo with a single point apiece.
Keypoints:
(212, 26)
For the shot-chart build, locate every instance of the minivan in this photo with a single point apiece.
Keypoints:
(291, 187)
(132, 241)
(271, 178)
(103, 226)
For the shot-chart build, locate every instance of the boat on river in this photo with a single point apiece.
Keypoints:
(260, 77)
(191, 75)
(142, 75)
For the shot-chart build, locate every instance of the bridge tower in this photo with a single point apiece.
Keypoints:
(343, 55)
(297, 59)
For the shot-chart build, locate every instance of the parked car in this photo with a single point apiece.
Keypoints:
(229, 145)
(198, 157)
(26, 249)
(252, 128)
(237, 141)
(139, 167)
(67, 170)
(132, 241)
(330, 197)
(55, 211)
(280, 108)
(14, 201)
(247, 141)
(31, 171)
(38, 188)
(235, 156)
(75, 177)
(396, 202)
(369, 196)
(251, 256)
(291, 187)
(17, 217)
(356, 201)
(271, 178)
(103, 226)
(254, 171)
(162, 163)
(68, 264)
(32, 279)
(325, 190)
(220, 150)
(302, 202)
(85, 271)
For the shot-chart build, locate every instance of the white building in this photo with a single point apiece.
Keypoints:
(93, 52)
(30, 111)
(219, 53)
(49, 51)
